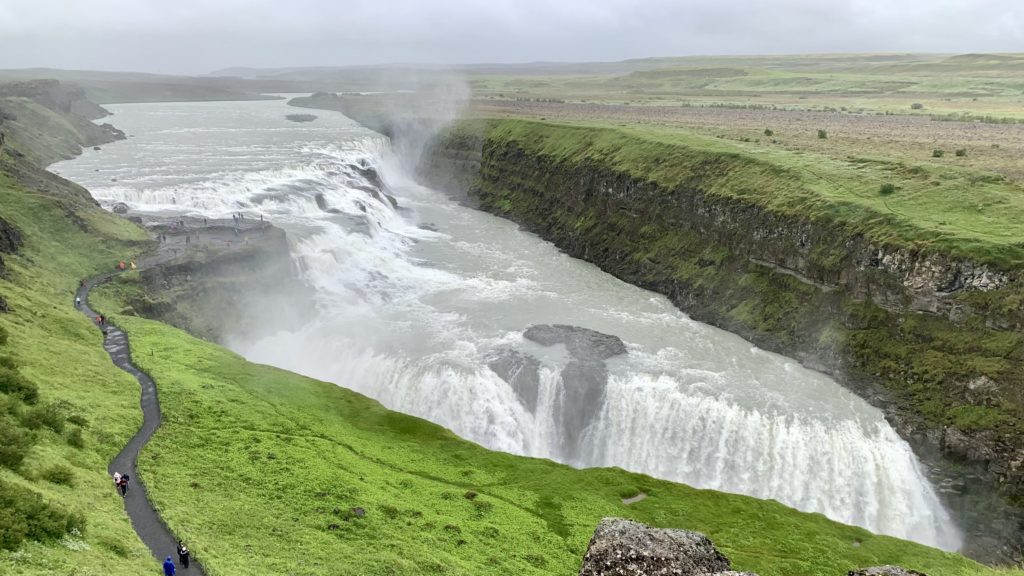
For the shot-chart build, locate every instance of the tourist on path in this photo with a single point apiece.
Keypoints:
(78, 302)
(168, 567)
(123, 484)
(183, 554)
(117, 480)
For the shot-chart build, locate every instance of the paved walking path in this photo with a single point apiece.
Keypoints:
(147, 523)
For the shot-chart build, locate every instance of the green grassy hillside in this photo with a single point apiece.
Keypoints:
(261, 471)
(87, 409)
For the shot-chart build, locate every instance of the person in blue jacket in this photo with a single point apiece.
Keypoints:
(168, 567)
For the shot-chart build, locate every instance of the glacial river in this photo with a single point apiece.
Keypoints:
(415, 303)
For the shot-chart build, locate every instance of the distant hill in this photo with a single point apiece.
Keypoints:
(114, 87)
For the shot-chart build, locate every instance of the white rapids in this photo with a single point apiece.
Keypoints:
(413, 302)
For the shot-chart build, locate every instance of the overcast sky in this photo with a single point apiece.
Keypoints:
(197, 36)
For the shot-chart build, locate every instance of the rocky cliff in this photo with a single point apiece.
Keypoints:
(221, 283)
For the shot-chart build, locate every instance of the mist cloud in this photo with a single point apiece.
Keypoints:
(197, 36)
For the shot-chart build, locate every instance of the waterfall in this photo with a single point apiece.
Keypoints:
(417, 300)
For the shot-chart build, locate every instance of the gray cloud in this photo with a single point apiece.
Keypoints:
(193, 36)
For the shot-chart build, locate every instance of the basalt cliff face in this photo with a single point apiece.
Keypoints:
(221, 283)
(934, 340)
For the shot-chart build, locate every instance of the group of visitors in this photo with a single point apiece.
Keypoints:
(183, 558)
(121, 482)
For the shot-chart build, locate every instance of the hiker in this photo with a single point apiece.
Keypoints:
(133, 264)
(99, 319)
(261, 217)
(120, 265)
(183, 554)
(204, 224)
(117, 480)
(168, 567)
(78, 302)
(123, 484)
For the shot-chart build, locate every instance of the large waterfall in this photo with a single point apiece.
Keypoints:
(424, 306)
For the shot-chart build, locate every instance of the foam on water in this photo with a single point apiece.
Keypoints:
(411, 316)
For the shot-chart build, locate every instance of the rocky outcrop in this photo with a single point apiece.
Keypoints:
(521, 372)
(10, 238)
(10, 241)
(884, 571)
(626, 548)
(623, 547)
(224, 284)
(583, 379)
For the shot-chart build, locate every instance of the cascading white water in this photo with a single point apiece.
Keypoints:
(414, 302)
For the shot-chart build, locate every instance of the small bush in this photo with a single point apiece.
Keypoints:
(886, 189)
(938, 153)
(60, 474)
(536, 560)
(50, 416)
(78, 420)
(389, 511)
(15, 443)
(961, 152)
(482, 507)
(917, 106)
(24, 515)
(822, 134)
(12, 382)
(76, 439)
(116, 546)
(769, 132)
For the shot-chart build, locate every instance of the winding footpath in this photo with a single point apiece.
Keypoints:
(147, 523)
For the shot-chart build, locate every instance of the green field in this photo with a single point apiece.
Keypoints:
(976, 84)
(948, 209)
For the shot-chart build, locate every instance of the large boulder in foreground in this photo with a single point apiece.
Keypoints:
(884, 571)
(626, 548)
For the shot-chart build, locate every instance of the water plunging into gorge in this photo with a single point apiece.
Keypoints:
(426, 307)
